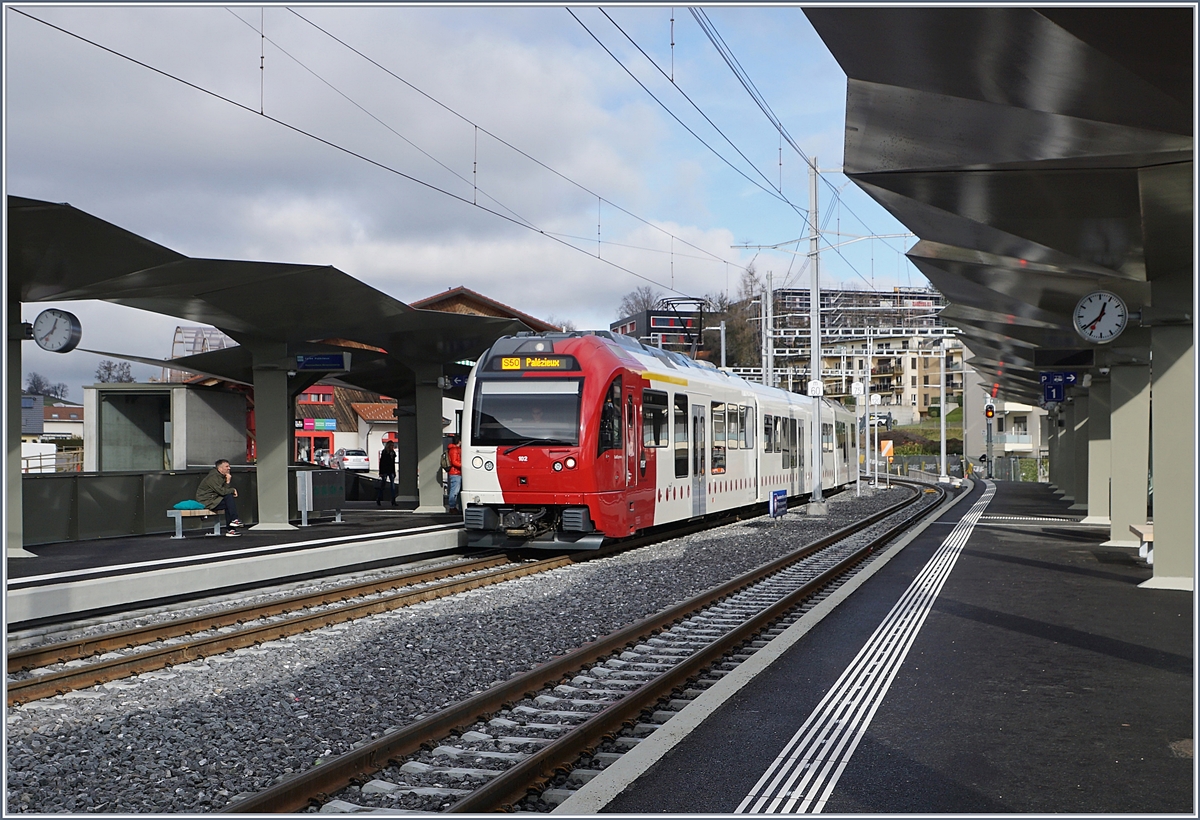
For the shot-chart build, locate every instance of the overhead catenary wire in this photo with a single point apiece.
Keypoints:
(473, 182)
(779, 190)
(501, 140)
(726, 53)
(770, 191)
(298, 130)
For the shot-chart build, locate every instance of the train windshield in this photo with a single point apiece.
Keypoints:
(528, 410)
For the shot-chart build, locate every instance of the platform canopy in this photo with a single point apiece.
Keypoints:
(1038, 154)
(57, 252)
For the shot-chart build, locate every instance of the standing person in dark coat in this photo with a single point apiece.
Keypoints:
(387, 473)
(216, 493)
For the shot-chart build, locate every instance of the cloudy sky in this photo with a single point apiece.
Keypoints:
(492, 143)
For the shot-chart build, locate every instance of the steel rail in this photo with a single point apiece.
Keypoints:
(317, 784)
(503, 792)
(82, 648)
(56, 683)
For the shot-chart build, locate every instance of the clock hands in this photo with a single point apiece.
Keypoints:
(50, 332)
(1096, 321)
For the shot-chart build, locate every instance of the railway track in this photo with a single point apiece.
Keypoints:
(103, 658)
(518, 737)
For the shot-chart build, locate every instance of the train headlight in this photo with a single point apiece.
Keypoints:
(487, 465)
(558, 466)
(477, 463)
(570, 463)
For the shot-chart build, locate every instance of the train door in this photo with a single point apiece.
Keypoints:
(794, 472)
(636, 481)
(610, 455)
(801, 456)
(699, 461)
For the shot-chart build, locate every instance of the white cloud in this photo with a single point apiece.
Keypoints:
(210, 180)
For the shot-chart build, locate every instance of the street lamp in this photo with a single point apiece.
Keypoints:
(722, 329)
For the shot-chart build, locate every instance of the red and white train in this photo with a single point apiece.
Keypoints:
(571, 438)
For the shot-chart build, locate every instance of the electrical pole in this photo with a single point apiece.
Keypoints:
(943, 478)
(769, 330)
(817, 502)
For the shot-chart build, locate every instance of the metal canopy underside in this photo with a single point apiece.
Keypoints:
(1039, 154)
(57, 252)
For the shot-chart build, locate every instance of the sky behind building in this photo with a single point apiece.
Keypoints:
(526, 153)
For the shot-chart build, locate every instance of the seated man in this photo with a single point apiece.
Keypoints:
(216, 493)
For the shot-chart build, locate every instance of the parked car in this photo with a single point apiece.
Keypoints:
(345, 459)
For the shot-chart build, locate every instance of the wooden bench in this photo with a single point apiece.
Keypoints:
(179, 515)
(1145, 534)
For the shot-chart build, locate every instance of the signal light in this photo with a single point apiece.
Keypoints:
(989, 410)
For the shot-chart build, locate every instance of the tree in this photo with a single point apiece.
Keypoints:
(742, 332)
(565, 324)
(110, 371)
(39, 385)
(643, 298)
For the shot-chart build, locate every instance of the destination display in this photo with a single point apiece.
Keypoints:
(541, 362)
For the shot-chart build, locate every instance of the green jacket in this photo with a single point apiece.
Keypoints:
(212, 488)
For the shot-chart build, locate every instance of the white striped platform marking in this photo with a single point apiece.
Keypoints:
(1028, 518)
(804, 774)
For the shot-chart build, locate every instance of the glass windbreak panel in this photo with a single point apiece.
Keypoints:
(610, 419)
(747, 414)
(511, 412)
(783, 443)
(654, 419)
(718, 438)
(733, 439)
(681, 436)
(780, 430)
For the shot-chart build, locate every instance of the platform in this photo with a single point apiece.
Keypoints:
(90, 577)
(1003, 661)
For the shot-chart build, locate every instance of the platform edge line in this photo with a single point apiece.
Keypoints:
(603, 789)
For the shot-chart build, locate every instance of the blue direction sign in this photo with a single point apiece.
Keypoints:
(458, 381)
(324, 361)
(1066, 379)
(1054, 385)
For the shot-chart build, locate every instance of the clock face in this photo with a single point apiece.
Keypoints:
(1100, 316)
(56, 330)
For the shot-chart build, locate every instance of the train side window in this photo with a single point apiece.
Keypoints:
(654, 419)
(783, 442)
(843, 439)
(793, 426)
(768, 433)
(733, 433)
(780, 429)
(681, 436)
(747, 414)
(826, 438)
(610, 419)
(718, 438)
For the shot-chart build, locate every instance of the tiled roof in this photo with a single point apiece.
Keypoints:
(465, 300)
(67, 413)
(375, 411)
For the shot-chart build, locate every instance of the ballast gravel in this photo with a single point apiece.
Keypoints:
(190, 738)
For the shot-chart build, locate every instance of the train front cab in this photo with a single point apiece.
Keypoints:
(552, 454)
